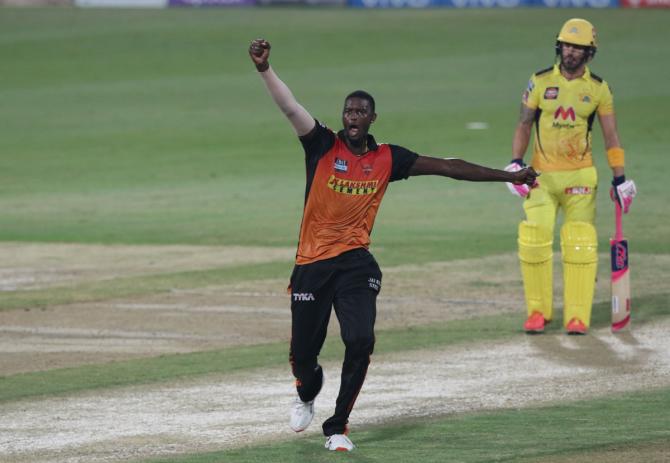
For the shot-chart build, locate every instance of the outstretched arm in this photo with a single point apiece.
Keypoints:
(463, 170)
(300, 119)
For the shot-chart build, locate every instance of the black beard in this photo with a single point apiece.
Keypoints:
(573, 68)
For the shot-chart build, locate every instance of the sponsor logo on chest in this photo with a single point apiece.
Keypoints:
(565, 113)
(353, 187)
(564, 117)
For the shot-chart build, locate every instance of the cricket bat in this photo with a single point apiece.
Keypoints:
(620, 275)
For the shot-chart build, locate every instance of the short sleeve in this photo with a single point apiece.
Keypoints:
(606, 104)
(530, 95)
(402, 161)
(317, 142)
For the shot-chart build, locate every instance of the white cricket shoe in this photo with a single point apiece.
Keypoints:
(301, 414)
(339, 443)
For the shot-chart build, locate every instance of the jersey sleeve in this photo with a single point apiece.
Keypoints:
(606, 104)
(402, 161)
(531, 96)
(317, 142)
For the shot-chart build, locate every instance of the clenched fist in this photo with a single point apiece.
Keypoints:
(259, 51)
(526, 179)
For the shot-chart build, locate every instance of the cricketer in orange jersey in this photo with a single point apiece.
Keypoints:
(347, 176)
(562, 102)
(345, 194)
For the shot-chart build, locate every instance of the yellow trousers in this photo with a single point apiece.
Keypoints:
(574, 193)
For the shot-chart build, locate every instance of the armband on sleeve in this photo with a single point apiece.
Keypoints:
(615, 157)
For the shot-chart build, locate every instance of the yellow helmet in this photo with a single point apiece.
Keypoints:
(578, 32)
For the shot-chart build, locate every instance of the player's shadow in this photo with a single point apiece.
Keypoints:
(590, 350)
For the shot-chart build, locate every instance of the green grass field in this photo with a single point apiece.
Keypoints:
(151, 127)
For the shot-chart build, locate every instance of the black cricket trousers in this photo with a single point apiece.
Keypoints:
(350, 283)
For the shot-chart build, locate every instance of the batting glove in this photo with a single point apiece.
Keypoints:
(623, 191)
(518, 190)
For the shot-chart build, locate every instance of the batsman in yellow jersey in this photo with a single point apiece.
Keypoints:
(560, 105)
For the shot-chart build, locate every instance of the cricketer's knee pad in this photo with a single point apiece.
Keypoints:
(536, 255)
(579, 247)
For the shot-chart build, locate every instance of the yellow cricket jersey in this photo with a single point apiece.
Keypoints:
(565, 111)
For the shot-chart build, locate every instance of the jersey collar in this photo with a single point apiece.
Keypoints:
(372, 143)
(585, 76)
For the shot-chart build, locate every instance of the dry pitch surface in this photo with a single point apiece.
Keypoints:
(211, 413)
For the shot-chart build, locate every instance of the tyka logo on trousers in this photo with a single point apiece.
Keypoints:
(305, 297)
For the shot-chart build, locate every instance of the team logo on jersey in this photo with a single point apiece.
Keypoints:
(367, 169)
(578, 190)
(551, 93)
(352, 187)
(584, 98)
(341, 165)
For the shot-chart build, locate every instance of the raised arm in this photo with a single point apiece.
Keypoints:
(300, 119)
(463, 170)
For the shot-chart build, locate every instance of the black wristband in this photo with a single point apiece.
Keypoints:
(263, 67)
(616, 181)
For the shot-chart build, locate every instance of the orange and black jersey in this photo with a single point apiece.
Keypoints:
(344, 192)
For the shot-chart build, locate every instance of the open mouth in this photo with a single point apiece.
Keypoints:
(353, 130)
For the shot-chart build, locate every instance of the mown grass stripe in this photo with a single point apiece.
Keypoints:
(173, 367)
(578, 431)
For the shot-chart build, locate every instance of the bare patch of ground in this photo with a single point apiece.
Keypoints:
(40, 265)
(241, 314)
(213, 413)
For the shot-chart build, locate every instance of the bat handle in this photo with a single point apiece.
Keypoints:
(618, 220)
